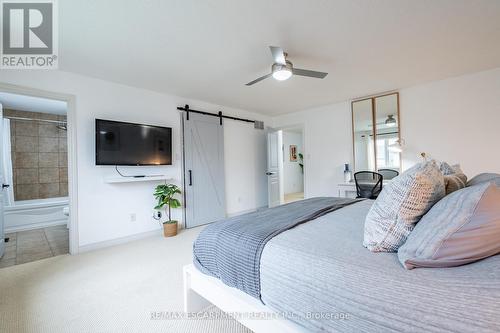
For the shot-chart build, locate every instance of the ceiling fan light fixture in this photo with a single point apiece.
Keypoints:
(282, 69)
(282, 74)
(390, 121)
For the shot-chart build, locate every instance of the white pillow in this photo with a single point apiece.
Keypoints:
(400, 206)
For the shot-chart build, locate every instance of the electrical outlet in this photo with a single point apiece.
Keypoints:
(133, 217)
(157, 214)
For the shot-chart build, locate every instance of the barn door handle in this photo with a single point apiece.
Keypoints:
(270, 173)
(5, 185)
(190, 178)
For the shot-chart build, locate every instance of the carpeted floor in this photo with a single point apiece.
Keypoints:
(117, 289)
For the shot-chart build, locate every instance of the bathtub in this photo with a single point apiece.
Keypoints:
(32, 214)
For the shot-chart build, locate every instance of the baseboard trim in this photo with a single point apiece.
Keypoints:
(245, 211)
(126, 239)
(40, 225)
(118, 241)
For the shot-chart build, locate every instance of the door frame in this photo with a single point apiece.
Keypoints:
(72, 152)
(270, 130)
(183, 167)
(304, 148)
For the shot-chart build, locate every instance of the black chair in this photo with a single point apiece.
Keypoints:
(368, 184)
(388, 173)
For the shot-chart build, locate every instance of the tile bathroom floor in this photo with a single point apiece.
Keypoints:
(36, 244)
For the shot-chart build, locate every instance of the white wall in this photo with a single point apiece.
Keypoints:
(327, 140)
(245, 166)
(293, 181)
(104, 209)
(455, 120)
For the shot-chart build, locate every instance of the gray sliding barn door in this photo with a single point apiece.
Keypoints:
(204, 185)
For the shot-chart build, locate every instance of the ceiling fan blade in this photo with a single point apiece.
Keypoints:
(278, 55)
(259, 79)
(305, 72)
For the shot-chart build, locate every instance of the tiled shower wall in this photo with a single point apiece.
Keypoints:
(39, 156)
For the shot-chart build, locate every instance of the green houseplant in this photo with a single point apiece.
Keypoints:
(164, 194)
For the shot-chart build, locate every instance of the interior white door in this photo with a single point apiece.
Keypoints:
(3, 186)
(204, 184)
(273, 176)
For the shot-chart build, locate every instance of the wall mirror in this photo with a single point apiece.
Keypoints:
(376, 133)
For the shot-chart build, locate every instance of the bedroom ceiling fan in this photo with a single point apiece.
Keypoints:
(282, 68)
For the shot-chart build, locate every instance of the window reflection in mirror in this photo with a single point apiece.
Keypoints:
(364, 149)
(375, 128)
(387, 127)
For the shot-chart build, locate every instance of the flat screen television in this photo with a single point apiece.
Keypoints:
(119, 143)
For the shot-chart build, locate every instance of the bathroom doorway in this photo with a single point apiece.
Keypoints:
(34, 224)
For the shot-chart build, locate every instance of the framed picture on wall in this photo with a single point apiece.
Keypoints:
(293, 153)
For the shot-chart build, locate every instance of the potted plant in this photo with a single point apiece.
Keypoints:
(165, 195)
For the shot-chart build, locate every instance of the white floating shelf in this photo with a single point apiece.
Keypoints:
(115, 179)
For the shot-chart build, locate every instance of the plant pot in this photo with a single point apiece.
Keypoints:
(170, 229)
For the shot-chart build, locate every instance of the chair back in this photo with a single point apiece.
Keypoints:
(368, 184)
(388, 173)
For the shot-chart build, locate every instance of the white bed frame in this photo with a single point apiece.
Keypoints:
(201, 290)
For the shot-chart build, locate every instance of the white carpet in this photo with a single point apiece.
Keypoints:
(110, 290)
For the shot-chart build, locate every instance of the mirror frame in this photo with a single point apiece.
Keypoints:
(374, 122)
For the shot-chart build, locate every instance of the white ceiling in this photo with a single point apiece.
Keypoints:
(32, 104)
(209, 49)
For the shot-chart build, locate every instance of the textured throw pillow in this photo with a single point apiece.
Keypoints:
(454, 182)
(447, 169)
(485, 177)
(462, 228)
(400, 205)
(454, 178)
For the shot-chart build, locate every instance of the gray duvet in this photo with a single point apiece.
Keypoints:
(321, 276)
(230, 249)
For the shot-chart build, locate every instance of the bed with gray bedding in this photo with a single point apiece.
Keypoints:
(338, 276)
(319, 274)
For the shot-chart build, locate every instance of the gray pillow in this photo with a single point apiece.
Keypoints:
(400, 205)
(461, 228)
(454, 182)
(485, 177)
(454, 178)
(447, 169)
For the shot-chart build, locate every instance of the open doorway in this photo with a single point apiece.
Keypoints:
(285, 165)
(34, 201)
(293, 164)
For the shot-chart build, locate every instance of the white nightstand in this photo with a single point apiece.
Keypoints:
(347, 190)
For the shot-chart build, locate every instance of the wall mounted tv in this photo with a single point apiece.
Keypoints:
(119, 143)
